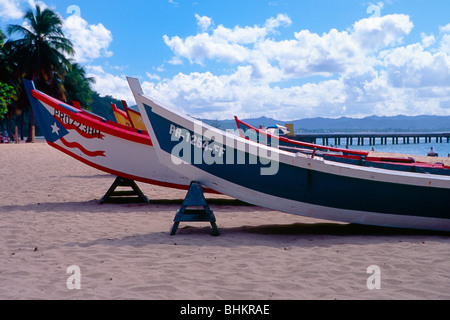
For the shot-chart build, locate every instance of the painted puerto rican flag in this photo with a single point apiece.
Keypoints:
(52, 128)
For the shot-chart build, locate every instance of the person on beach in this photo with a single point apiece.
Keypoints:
(431, 153)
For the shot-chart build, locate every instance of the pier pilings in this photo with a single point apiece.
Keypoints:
(361, 139)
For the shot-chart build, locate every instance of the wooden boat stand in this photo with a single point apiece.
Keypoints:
(114, 196)
(195, 198)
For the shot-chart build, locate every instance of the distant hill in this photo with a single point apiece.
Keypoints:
(345, 124)
(425, 123)
(102, 106)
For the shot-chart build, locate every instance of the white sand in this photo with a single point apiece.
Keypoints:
(50, 219)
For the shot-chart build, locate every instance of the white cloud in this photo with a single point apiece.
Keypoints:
(202, 47)
(445, 29)
(10, 10)
(90, 41)
(311, 54)
(445, 44)
(15, 9)
(280, 20)
(413, 67)
(231, 45)
(239, 35)
(152, 76)
(305, 55)
(360, 71)
(378, 32)
(220, 97)
(427, 40)
(357, 72)
(109, 84)
(203, 22)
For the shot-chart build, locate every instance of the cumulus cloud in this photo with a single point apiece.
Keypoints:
(10, 9)
(278, 21)
(305, 55)
(379, 32)
(427, 40)
(413, 67)
(206, 95)
(445, 29)
(109, 84)
(203, 22)
(231, 45)
(445, 43)
(91, 41)
(363, 70)
(201, 47)
(15, 9)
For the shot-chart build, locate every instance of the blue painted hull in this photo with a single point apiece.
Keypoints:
(357, 157)
(283, 141)
(392, 164)
(300, 184)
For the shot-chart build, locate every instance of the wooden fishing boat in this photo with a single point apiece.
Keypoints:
(105, 145)
(293, 182)
(135, 118)
(129, 117)
(248, 131)
(357, 157)
(407, 164)
(121, 116)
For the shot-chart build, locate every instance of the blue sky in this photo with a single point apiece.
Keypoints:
(287, 59)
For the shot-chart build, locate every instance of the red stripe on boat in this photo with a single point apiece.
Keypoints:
(82, 149)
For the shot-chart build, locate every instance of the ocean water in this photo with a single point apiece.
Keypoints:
(419, 149)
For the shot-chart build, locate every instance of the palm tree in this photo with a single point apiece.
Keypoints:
(41, 53)
(78, 86)
(4, 64)
(7, 90)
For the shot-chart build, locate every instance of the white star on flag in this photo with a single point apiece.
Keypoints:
(55, 129)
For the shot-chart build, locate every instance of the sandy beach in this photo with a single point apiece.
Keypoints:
(51, 219)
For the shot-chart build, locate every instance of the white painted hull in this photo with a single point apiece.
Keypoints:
(106, 146)
(363, 195)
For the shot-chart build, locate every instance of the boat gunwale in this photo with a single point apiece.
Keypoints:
(109, 127)
(320, 164)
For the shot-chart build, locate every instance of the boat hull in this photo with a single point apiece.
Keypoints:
(358, 157)
(246, 130)
(294, 183)
(101, 144)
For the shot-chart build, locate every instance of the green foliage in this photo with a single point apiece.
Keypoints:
(41, 49)
(7, 94)
(78, 86)
(2, 38)
(39, 52)
(102, 106)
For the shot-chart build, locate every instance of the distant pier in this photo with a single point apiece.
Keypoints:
(361, 139)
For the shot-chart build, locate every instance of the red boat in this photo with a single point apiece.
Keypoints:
(355, 157)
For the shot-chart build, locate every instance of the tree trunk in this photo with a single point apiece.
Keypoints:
(16, 134)
(21, 125)
(31, 128)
